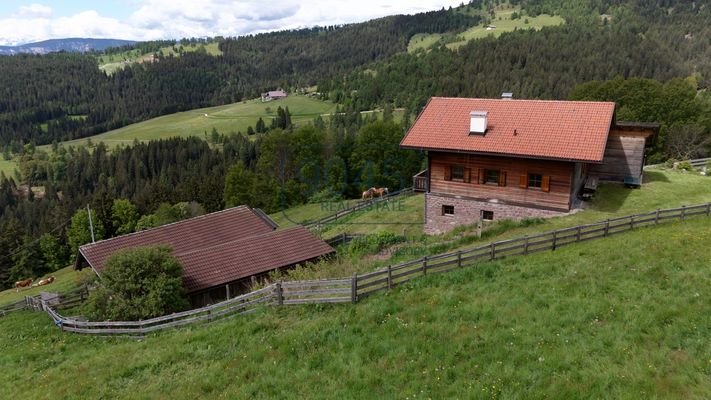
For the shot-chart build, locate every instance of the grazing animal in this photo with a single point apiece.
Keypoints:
(26, 283)
(368, 194)
(379, 192)
(45, 281)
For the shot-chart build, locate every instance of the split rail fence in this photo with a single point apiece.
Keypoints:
(361, 205)
(359, 286)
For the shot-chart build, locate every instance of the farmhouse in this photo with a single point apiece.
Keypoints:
(502, 158)
(221, 252)
(273, 95)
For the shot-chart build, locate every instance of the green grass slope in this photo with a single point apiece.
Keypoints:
(8, 167)
(502, 21)
(111, 63)
(228, 118)
(622, 317)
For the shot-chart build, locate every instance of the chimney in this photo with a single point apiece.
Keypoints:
(507, 95)
(477, 124)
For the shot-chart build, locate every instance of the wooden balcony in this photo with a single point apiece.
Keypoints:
(419, 181)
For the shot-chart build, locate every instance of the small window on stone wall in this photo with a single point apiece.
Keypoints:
(447, 210)
(487, 215)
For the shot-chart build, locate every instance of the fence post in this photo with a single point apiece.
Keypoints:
(390, 277)
(632, 222)
(555, 234)
(683, 212)
(492, 251)
(280, 296)
(459, 259)
(424, 266)
(656, 217)
(227, 291)
(708, 209)
(525, 245)
(577, 234)
(354, 288)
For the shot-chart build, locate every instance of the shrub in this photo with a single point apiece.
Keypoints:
(371, 244)
(685, 166)
(138, 283)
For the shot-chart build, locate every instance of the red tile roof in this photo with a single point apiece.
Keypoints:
(565, 130)
(210, 237)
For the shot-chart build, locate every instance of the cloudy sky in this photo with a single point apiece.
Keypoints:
(26, 21)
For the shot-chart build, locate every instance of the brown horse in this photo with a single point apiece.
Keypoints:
(45, 281)
(27, 283)
(368, 194)
(379, 192)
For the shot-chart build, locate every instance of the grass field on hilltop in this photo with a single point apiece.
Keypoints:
(111, 63)
(621, 317)
(228, 118)
(502, 22)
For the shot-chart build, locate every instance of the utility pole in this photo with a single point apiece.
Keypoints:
(91, 225)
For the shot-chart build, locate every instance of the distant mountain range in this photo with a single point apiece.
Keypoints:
(70, 44)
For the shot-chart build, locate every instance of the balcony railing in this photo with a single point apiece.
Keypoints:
(419, 181)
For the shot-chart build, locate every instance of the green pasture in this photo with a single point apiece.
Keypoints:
(200, 122)
(621, 317)
(502, 22)
(111, 63)
(66, 280)
(8, 167)
(506, 25)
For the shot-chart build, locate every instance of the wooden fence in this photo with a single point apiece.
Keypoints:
(360, 205)
(343, 238)
(12, 307)
(359, 286)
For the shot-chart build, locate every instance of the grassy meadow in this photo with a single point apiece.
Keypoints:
(111, 63)
(502, 22)
(621, 317)
(228, 118)
(8, 167)
(66, 280)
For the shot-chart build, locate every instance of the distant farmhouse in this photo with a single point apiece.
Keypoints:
(503, 158)
(273, 95)
(221, 252)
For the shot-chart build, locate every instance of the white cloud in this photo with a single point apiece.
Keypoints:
(175, 19)
(34, 11)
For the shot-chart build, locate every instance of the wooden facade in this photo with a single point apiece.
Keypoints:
(473, 176)
(624, 154)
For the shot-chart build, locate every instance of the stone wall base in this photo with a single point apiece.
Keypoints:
(467, 212)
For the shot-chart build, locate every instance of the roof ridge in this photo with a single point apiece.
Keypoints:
(168, 224)
(520, 100)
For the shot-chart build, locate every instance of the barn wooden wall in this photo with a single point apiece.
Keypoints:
(624, 156)
(560, 175)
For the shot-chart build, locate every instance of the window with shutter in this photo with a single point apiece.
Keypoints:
(448, 173)
(535, 180)
(481, 178)
(502, 178)
(546, 184)
(457, 173)
(523, 181)
(467, 175)
(491, 176)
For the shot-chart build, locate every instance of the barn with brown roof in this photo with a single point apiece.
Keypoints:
(221, 252)
(503, 158)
